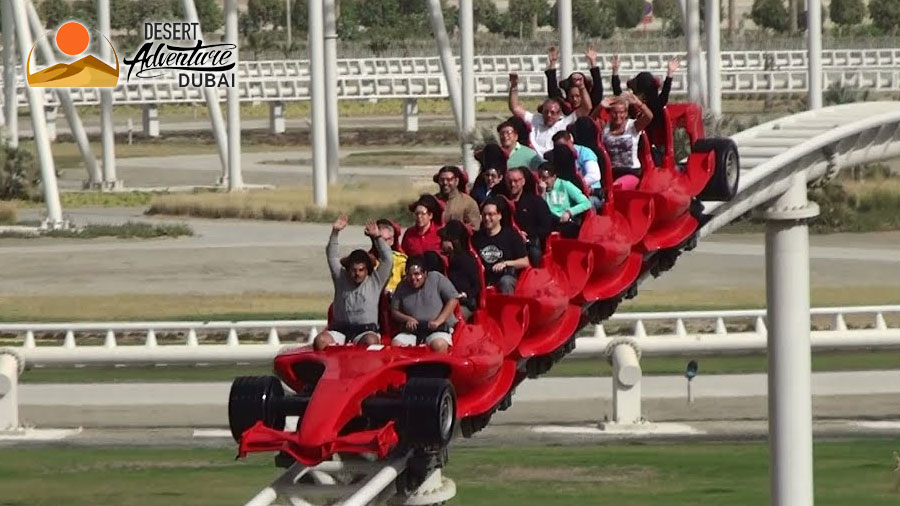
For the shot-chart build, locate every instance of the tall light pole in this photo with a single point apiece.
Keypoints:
(467, 57)
(317, 102)
(287, 10)
(564, 22)
(814, 46)
(10, 94)
(332, 140)
(107, 128)
(235, 178)
(713, 79)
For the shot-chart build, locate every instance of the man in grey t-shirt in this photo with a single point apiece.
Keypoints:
(423, 304)
(357, 288)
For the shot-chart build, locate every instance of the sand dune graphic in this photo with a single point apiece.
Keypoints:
(88, 72)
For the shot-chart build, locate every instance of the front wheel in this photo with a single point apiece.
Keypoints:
(253, 399)
(723, 184)
(429, 412)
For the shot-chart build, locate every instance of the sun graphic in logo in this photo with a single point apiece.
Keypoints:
(72, 39)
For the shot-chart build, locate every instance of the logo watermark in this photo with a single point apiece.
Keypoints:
(195, 63)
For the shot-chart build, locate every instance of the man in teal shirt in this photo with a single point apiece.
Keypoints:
(519, 155)
(567, 203)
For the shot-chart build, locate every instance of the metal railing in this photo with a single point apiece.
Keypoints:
(253, 342)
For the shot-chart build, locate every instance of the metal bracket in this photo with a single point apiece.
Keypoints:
(20, 360)
(792, 213)
(611, 346)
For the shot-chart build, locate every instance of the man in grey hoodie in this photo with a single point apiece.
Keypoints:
(357, 288)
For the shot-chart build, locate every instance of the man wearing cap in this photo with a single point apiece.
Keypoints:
(457, 204)
(357, 288)
(423, 304)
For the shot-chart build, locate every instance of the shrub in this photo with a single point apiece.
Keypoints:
(628, 13)
(7, 213)
(885, 14)
(770, 14)
(19, 178)
(847, 12)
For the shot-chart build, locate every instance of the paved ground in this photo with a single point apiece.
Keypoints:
(235, 256)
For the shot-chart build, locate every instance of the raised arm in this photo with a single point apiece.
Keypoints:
(553, 90)
(514, 106)
(332, 253)
(667, 84)
(597, 88)
(385, 257)
(644, 116)
(616, 84)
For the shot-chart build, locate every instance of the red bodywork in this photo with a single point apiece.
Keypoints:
(545, 311)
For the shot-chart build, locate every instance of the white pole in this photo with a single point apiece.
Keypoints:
(212, 100)
(332, 141)
(467, 58)
(692, 36)
(287, 12)
(9, 381)
(317, 102)
(447, 63)
(814, 33)
(10, 93)
(564, 22)
(65, 98)
(713, 55)
(235, 179)
(38, 123)
(107, 132)
(787, 301)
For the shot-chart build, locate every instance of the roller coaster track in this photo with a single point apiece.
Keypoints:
(818, 143)
(743, 72)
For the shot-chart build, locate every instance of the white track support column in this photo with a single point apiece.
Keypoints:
(276, 117)
(814, 34)
(332, 139)
(787, 300)
(65, 98)
(107, 128)
(150, 120)
(317, 103)
(10, 93)
(235, 178)
(211, 95)
(436, 16)
(38, 122)
(692, 36)
(9, 381)
(626, 379)
(713, 57)
(51, 113)
(467, 61)
(564, 26)
(411, 114)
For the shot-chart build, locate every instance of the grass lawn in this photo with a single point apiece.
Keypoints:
(846, 472)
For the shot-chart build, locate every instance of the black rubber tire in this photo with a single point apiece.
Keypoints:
(253, 399)
(723, 184)
(429, 412)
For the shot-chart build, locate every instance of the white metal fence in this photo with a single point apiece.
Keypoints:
(254, 342)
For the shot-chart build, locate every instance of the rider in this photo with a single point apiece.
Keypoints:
(621, 137)
(424, 303)
(357, 288)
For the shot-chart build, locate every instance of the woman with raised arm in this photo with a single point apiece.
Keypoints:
(621, 137)
(575, 84)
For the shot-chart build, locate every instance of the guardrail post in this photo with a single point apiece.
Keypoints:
(624, 357)
(10, 368)
(150, 120)
(51, 113)
(276, 117)
(410, 115)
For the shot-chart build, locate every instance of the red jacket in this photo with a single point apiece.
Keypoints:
(415, 243)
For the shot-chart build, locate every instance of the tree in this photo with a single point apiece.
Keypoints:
(670, 12)
(847, 12)
(266, 13)
(486, 14)
(300, 17)
(628, 13)
(589, 17)
(54, 12)
(771, 14)
(84, 10)
(523, 17)
(123, 15)
(885, 14)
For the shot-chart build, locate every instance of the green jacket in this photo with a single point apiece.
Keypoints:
(565, 196)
